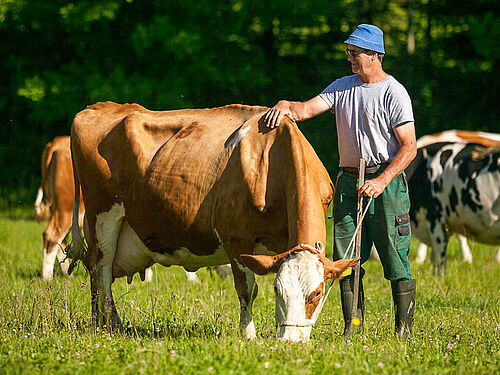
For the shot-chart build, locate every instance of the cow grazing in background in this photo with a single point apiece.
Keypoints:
(201, 187)
(457, 136)
(54, 202)
(454, 188)
(57, 189)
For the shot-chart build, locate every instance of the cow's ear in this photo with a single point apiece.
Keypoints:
(262, 264)
(334, 270)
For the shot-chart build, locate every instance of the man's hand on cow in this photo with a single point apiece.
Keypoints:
(372, 188)
(274, 116)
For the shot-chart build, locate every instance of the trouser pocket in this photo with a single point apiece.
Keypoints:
(402, 232)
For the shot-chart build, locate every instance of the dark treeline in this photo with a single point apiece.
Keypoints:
(58, 56)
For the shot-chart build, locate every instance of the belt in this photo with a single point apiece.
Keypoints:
(368, 170)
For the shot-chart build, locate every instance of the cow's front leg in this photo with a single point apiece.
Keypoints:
(247, 289)
(464, 246)
(421, 253)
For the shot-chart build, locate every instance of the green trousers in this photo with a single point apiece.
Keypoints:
(386, 224)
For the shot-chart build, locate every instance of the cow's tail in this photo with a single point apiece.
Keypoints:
(42, 209)
(77, 249)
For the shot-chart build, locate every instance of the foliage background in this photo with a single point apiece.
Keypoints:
(58, 56)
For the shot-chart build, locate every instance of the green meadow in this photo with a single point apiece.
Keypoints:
(177, 327)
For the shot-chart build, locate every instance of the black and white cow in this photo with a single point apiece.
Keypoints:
(457, 136)
(454, 188)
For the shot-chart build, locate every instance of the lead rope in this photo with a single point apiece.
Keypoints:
(350, 251)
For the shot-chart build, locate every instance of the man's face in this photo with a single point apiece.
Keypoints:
(359, 58)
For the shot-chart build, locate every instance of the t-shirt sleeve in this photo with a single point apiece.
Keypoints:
(401, 110)
(329, 95)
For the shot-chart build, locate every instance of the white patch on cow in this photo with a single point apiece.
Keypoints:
(148, 275)
(39, 197)
(299, 275)
(49, 257)
(108, 227)
(133, 256)
(192, 277)
(237, 137)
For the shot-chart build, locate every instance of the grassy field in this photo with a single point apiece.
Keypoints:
(182, 328)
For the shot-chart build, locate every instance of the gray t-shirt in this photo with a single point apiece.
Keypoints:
(366, 114)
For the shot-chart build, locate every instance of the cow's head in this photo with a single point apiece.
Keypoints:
(300, 286)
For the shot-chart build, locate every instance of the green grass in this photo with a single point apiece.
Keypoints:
(182, 328)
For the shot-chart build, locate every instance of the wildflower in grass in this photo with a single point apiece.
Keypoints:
(266, 364)
(380, 365)
(210, 369)
(356, 322)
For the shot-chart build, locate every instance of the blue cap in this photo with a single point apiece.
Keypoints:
(369, 37)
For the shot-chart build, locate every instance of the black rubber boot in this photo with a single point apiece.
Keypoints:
(346, 297)
(403, 294)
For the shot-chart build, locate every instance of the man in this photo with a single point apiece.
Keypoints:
(374, 120)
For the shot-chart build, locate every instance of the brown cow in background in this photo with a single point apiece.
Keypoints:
(58, 191)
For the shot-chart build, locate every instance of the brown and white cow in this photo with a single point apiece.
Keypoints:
(457, 136)
(200, 187)
(57, 189)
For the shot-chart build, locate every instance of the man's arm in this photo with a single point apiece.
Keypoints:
(296, 111)
(405, 134)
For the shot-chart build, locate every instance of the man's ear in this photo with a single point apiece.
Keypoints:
(334, 270)
(263, 264)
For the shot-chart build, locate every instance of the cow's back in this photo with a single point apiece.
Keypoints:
(57, 174)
